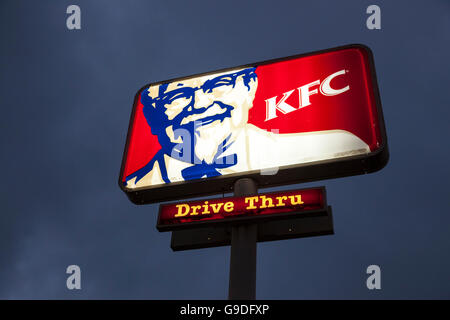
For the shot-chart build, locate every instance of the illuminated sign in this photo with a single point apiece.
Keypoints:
(286, 204)
(290, 120)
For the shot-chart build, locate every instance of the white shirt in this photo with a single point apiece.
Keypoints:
(258, 149)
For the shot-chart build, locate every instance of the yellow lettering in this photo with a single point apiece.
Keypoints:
(299, 200)
(216, 207)
(229, 206)
(252, 201)
(194, 210)
(205, 208)
(180, 210)
(280, 201)
(266, 202)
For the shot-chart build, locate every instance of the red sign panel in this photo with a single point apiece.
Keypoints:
(266, 206)
(311, 117)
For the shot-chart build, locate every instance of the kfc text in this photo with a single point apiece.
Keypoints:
(303, 94)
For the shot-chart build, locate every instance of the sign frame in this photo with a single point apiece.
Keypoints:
(285, 229)
(248, 218)
(286, 175)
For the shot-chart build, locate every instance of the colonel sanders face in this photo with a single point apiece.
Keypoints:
(205, 112)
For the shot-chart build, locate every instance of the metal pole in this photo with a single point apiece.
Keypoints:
(243, 250)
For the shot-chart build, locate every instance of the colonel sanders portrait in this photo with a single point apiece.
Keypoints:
(202, 127)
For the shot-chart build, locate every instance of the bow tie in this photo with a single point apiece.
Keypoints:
(202, 169)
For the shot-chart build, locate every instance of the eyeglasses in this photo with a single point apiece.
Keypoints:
(183, 97)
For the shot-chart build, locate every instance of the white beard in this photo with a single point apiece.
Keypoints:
(210, 137)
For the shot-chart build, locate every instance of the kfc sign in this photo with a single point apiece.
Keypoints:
(290, 120)
(304, 93)
(261, 207)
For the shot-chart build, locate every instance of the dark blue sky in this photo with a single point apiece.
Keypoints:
(66, 98)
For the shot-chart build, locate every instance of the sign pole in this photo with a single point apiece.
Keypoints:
(242, 283)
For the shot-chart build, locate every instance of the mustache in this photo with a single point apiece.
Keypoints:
(176, 122)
